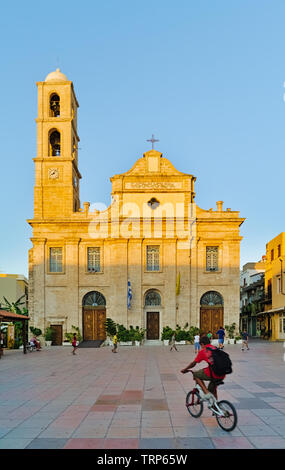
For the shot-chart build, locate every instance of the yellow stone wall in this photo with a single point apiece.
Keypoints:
(125, 229)
(273, 274)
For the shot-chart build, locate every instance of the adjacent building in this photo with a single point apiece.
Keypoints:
(12, 287)
(252, 297)
(274, 315)
(153, 258)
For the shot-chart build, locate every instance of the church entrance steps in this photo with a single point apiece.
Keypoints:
(152, 342)
(91, 344)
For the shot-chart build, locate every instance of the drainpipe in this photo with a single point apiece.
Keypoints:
(283, 293)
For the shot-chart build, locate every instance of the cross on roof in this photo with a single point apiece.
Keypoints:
(152, 140)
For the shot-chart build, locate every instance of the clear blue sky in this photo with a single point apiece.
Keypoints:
(206, 77)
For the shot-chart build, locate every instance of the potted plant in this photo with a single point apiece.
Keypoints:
(138, 335)
(192, 332)
(37, 332)
(125, 337)
(238, 340)
(231, 332)
(69, 336)
(181, 335)
(111, 329)
(166, 335)
(48, 336)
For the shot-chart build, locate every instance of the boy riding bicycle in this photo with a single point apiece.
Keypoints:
(207, 373)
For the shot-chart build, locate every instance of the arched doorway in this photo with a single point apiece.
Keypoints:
(152, 305)
(94, 316)
(211, 312)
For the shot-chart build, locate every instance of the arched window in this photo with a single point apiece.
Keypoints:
(54, 144)
(152, 298)
(212, 298)
(54, 105)
(94, 299)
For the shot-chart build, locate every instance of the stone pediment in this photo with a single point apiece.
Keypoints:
(152, 163)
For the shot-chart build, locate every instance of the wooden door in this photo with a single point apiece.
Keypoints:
(56, 335)
(94, 324)
(152, 325)
(211, 319)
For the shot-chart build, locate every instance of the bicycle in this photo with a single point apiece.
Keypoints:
(223, 410)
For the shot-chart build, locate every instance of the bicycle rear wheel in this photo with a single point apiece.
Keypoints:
(194, 404)
(227, 422)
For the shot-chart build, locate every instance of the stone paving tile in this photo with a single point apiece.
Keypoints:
(15, 443)
(24, 433)
(149, 432)
(196, 431)
(267, 412)
(268, 442)
(121, 432)
(194, 443)
(232, 443)
(121, 444)
(268, 385)
(154, 404)
(84, 444)
(252, 404)
(257, 430)
(157, 443)
(50, 443)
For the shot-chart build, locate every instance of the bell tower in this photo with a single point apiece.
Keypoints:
(56, 192)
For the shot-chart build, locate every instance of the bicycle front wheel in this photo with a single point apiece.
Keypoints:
(227, 422)
(194, 404)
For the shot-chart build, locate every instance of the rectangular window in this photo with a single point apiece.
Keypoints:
(152, 258)
(93, 255)
(279, 250)
(212, 258)
(55, 260)
(272, 254)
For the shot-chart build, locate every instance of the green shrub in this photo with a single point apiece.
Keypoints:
(231, 330)
(69, 336)
(110, 326)
(36, 331)
(48, 334)
(167, 333)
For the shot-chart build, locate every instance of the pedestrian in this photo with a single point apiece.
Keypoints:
(115, 343)
(209, 335)
(172, 342)
(34, 340)
(74, 344)
(221, 337)
(244, 336)
(197, 343)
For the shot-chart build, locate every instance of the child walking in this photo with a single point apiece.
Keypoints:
(197, 343)
(74, 343)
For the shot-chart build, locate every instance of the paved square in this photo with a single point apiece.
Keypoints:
(136, 399)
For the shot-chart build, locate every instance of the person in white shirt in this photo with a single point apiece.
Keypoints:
(197, 343)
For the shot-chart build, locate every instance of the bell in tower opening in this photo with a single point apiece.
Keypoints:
(54, 105)
(54, 144)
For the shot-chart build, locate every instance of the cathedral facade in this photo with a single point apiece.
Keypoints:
(152, 259)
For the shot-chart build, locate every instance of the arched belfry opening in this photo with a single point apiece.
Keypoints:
(54, 144)
(211, 312)
(54, 105)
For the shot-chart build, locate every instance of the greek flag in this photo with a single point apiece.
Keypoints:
(130, 295)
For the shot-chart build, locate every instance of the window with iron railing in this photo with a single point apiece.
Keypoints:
(55, 260)
(94, 259)
(212, 262)
(152, 258)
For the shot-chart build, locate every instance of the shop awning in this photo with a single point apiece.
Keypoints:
(11, 316)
